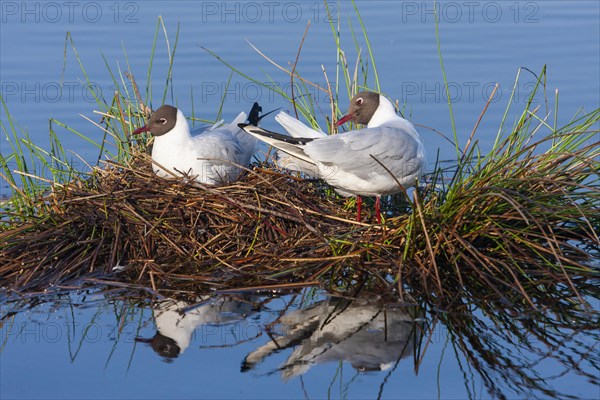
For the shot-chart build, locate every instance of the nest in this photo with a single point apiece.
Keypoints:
(488, 236)
(266, 230)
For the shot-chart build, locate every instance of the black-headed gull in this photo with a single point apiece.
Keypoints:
(368, 335)
(175, 326)
(384, 158)
(217, 155)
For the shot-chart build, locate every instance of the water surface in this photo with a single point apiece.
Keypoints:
(483, 43)
(304, 345)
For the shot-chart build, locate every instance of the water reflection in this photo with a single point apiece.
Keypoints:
(176, 321)
(365, 333)
(490, 349)
(551, 352)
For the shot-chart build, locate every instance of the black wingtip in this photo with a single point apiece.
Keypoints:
(254, 116)
(274, 135)
(249, 128)
(270, 112)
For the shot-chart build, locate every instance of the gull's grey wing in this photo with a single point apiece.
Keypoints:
(353, 152)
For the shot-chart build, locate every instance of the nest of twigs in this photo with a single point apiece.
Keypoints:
(267, 229)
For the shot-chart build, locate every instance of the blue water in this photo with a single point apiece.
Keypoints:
(88, 346)
(482, 43)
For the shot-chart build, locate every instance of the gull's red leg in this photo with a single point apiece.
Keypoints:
(358, 207)
(378, 209)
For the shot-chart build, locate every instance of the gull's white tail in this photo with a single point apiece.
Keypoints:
(296, 128)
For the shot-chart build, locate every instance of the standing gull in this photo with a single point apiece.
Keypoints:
(385, 158)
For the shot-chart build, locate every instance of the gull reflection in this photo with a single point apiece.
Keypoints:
(367, 334)
(176, 321)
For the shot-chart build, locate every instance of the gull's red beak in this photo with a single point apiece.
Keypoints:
(143, 129)
(344, 119)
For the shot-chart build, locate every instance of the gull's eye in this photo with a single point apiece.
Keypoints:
(162, 121)
(359, 101)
